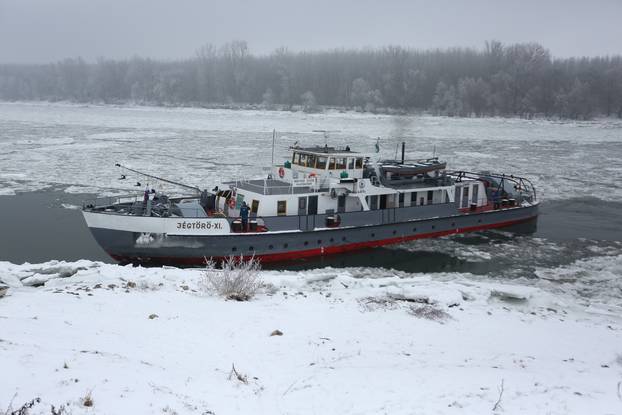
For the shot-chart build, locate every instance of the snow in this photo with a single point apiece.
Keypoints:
(354, 341)
(76, 147)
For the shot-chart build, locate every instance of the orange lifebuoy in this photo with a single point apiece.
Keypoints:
(281, 172)
(232, 203)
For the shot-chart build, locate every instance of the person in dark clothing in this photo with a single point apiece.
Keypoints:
(244, 210)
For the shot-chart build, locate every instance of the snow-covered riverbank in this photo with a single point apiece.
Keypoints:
(151, 341)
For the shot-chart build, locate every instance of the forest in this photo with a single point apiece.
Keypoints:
(515, 80)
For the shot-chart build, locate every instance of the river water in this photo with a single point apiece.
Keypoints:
(53, 156)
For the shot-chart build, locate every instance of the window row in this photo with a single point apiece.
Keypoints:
(321, 162)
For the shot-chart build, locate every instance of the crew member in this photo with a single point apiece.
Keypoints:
(244, 216)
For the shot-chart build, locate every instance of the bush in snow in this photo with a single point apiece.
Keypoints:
(237, 279)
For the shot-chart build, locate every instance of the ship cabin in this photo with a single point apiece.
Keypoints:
(330, 181)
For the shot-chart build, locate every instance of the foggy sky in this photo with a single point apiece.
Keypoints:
(39, 31)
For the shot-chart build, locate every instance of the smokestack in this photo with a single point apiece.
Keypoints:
(403, 150)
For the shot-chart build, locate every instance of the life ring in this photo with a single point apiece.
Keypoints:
(281, 172)
(232, 203)
(361, 184)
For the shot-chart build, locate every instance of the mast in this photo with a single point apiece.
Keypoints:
(273, 140)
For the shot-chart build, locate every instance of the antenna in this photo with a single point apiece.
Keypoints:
(326, 133)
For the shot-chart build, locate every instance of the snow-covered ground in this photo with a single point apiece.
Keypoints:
(365, 341)
(76, 147)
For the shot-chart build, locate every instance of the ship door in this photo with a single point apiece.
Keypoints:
(312, 206)
(341, 203)
(302, 206)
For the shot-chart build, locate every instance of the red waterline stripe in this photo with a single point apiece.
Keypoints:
(293, 255)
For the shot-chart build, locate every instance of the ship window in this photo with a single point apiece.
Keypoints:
(373, 235)
(311, 161)
(373, 202)
(321, 162)
(332, 240)
(350, 163)
(270, 246)
(285, 245)
(465, 196)
(359, 163)
(401, 200)
(433, 227)
(296, 158)
(343, 238)
(394, 232)
(430, 196)
(413, 199)
(254, 206)
(319, 241)
(340, 163)
(281, 207)
(250, 248)
(234, 249)
(306, 243)
(414, 229)
(303, 159)
(331, 163)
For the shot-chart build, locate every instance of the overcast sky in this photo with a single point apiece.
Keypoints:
(49, 30)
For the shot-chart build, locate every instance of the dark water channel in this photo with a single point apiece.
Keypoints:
(38, 227)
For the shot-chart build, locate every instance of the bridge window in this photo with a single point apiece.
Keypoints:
(311, 160)
(321, 162)
(359, 162)
(350, 163)
(340, 163)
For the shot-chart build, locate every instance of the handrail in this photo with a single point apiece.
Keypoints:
(523, 183)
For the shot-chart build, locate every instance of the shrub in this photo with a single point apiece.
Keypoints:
(237, 279)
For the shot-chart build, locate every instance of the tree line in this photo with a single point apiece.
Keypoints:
(497, 80)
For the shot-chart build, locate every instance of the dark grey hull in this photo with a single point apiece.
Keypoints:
(307, 240)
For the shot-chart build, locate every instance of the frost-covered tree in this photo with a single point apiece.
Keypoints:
(309, 104)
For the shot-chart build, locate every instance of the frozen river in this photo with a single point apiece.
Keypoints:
(51, 155)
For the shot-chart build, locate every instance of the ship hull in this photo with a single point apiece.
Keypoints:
(164, 249)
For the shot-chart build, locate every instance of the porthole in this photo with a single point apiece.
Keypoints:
(234, 249)
(285, 245)
(373, 235)
(479, 221)
(306, 243)
(343, 238)
(433, 227)
(270, 247)
(319, 241)
(332, 239)
(414, 229)
(453, 224)
(250, 248)
(394, 232)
